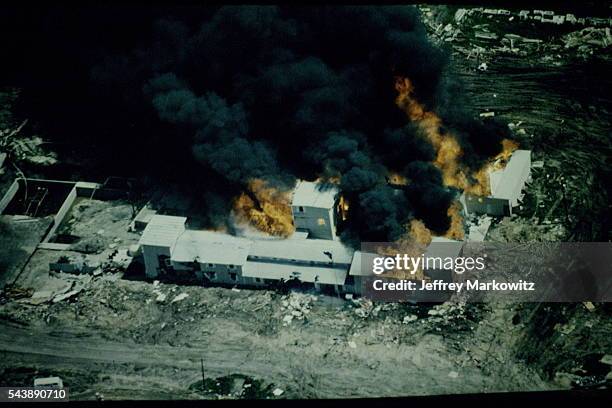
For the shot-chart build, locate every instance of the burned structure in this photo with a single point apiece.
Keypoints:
(312, 207)
(312, 256)
(506, 185)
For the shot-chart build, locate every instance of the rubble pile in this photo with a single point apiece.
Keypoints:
(483, 34)
(454, 316)
(98, 225)
(235, 386)
(296, 306)
(588, 40)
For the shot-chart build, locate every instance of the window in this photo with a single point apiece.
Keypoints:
(211, 265)
(301, 209)
(231, 266)
(233, 276)
(258, 280)
(163, 261)
(321, 221)
(211, 275)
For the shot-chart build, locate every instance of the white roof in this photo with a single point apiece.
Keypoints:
(514, 175)
(362, 258)
(210, 247)
(269, 270)
(163, 230)
(309, 194)
(443, 248)
(302, 250)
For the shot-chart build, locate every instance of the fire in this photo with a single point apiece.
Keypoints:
(448, 150)
(397, 179)
(343, 207)
(419, 232)
(329, 179)
(482, 187)
(446, 145)
(456, 230)
(448, 154)
(272, 211)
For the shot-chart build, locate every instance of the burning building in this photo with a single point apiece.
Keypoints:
(313, 208)
(506, 186)
(311, 256)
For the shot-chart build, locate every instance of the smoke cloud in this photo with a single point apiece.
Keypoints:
(279, 93)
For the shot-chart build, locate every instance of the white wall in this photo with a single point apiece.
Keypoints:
(150, 254)
(61, 214)
(9, 195)
(309, 220)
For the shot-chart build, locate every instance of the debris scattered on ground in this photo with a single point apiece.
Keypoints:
(14, 292)
(66, 295)
(296, 306)
(180, 297)
(587, 40)
(234, 386)
(589, 306)
(161, 297)
(409, 318)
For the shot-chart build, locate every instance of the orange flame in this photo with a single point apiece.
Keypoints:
(343, 207)
(419, 233)
(397, 179)
(456, 230)
(273, 215)
(448, 154)
(448, 150)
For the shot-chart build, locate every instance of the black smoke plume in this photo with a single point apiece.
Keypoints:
(302, 92)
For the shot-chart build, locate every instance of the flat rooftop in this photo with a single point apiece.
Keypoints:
(210, 247)
(507, 182)
(163, 230)
(311, 194)
(307, 250)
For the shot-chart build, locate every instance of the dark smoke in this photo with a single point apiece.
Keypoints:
(285, 92)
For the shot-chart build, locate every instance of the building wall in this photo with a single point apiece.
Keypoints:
(525, 177)
(8, 196)
(151, 259)
(222, 273)
(61, 214)
(318, 221)
(498, 207)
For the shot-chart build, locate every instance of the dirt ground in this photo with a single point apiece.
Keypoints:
(99, 225)
(133, 344)
(19, 237)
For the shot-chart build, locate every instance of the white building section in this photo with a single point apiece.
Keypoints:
(313, 206)
(170, 248)
(158, 238)
(506, 184)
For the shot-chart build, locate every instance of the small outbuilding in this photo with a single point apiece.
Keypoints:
(506, 184)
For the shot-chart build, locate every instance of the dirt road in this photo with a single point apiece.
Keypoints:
(333, 354)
